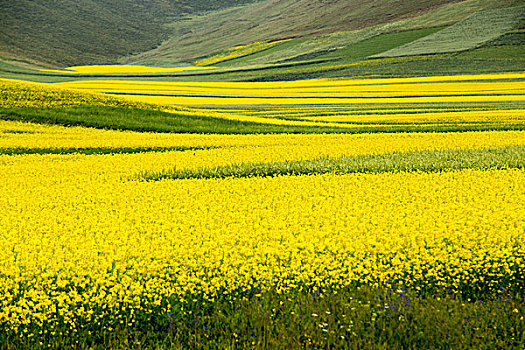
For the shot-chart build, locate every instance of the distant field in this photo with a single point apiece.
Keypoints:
(377, 44)
(194, 37)
(468, 34)
(344, 105)
(487, 41)
(319, 26)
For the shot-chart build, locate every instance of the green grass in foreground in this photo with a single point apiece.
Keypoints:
(137, 119)
(431, 161)
(357, 317)
(123, 118)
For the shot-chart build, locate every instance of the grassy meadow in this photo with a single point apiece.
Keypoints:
(354, 180)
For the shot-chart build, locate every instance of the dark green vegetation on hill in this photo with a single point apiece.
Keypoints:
(76, 32)
(476, 30)
(274, 19)
(171, 32)
(320, 26)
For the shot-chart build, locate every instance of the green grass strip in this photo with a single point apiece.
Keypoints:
(96, 150)
(431, 161)
(123, 118)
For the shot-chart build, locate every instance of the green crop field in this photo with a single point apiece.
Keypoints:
(468, 34)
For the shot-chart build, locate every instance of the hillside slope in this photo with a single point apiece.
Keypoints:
(73, 32)
(318, 24)
(479, 28)
(276, 19)
(243, 38)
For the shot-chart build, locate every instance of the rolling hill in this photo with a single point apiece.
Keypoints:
(320, 25)
(265, 39)
(278, 19)
(72, 32)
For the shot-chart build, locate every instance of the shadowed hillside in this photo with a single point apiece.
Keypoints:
(73, 32)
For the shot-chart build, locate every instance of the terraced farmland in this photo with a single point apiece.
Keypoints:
(313, 203)
(468, 102)
(468, 34)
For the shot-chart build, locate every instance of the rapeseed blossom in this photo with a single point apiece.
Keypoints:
(238, 51)
(83, 241)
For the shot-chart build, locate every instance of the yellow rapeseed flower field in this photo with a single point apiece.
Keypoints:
(17, 93)
(499, 116)
(238, 51)
(129, 245)
(417, 94)
(237, 149)
(83, 240)
(460, 89)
